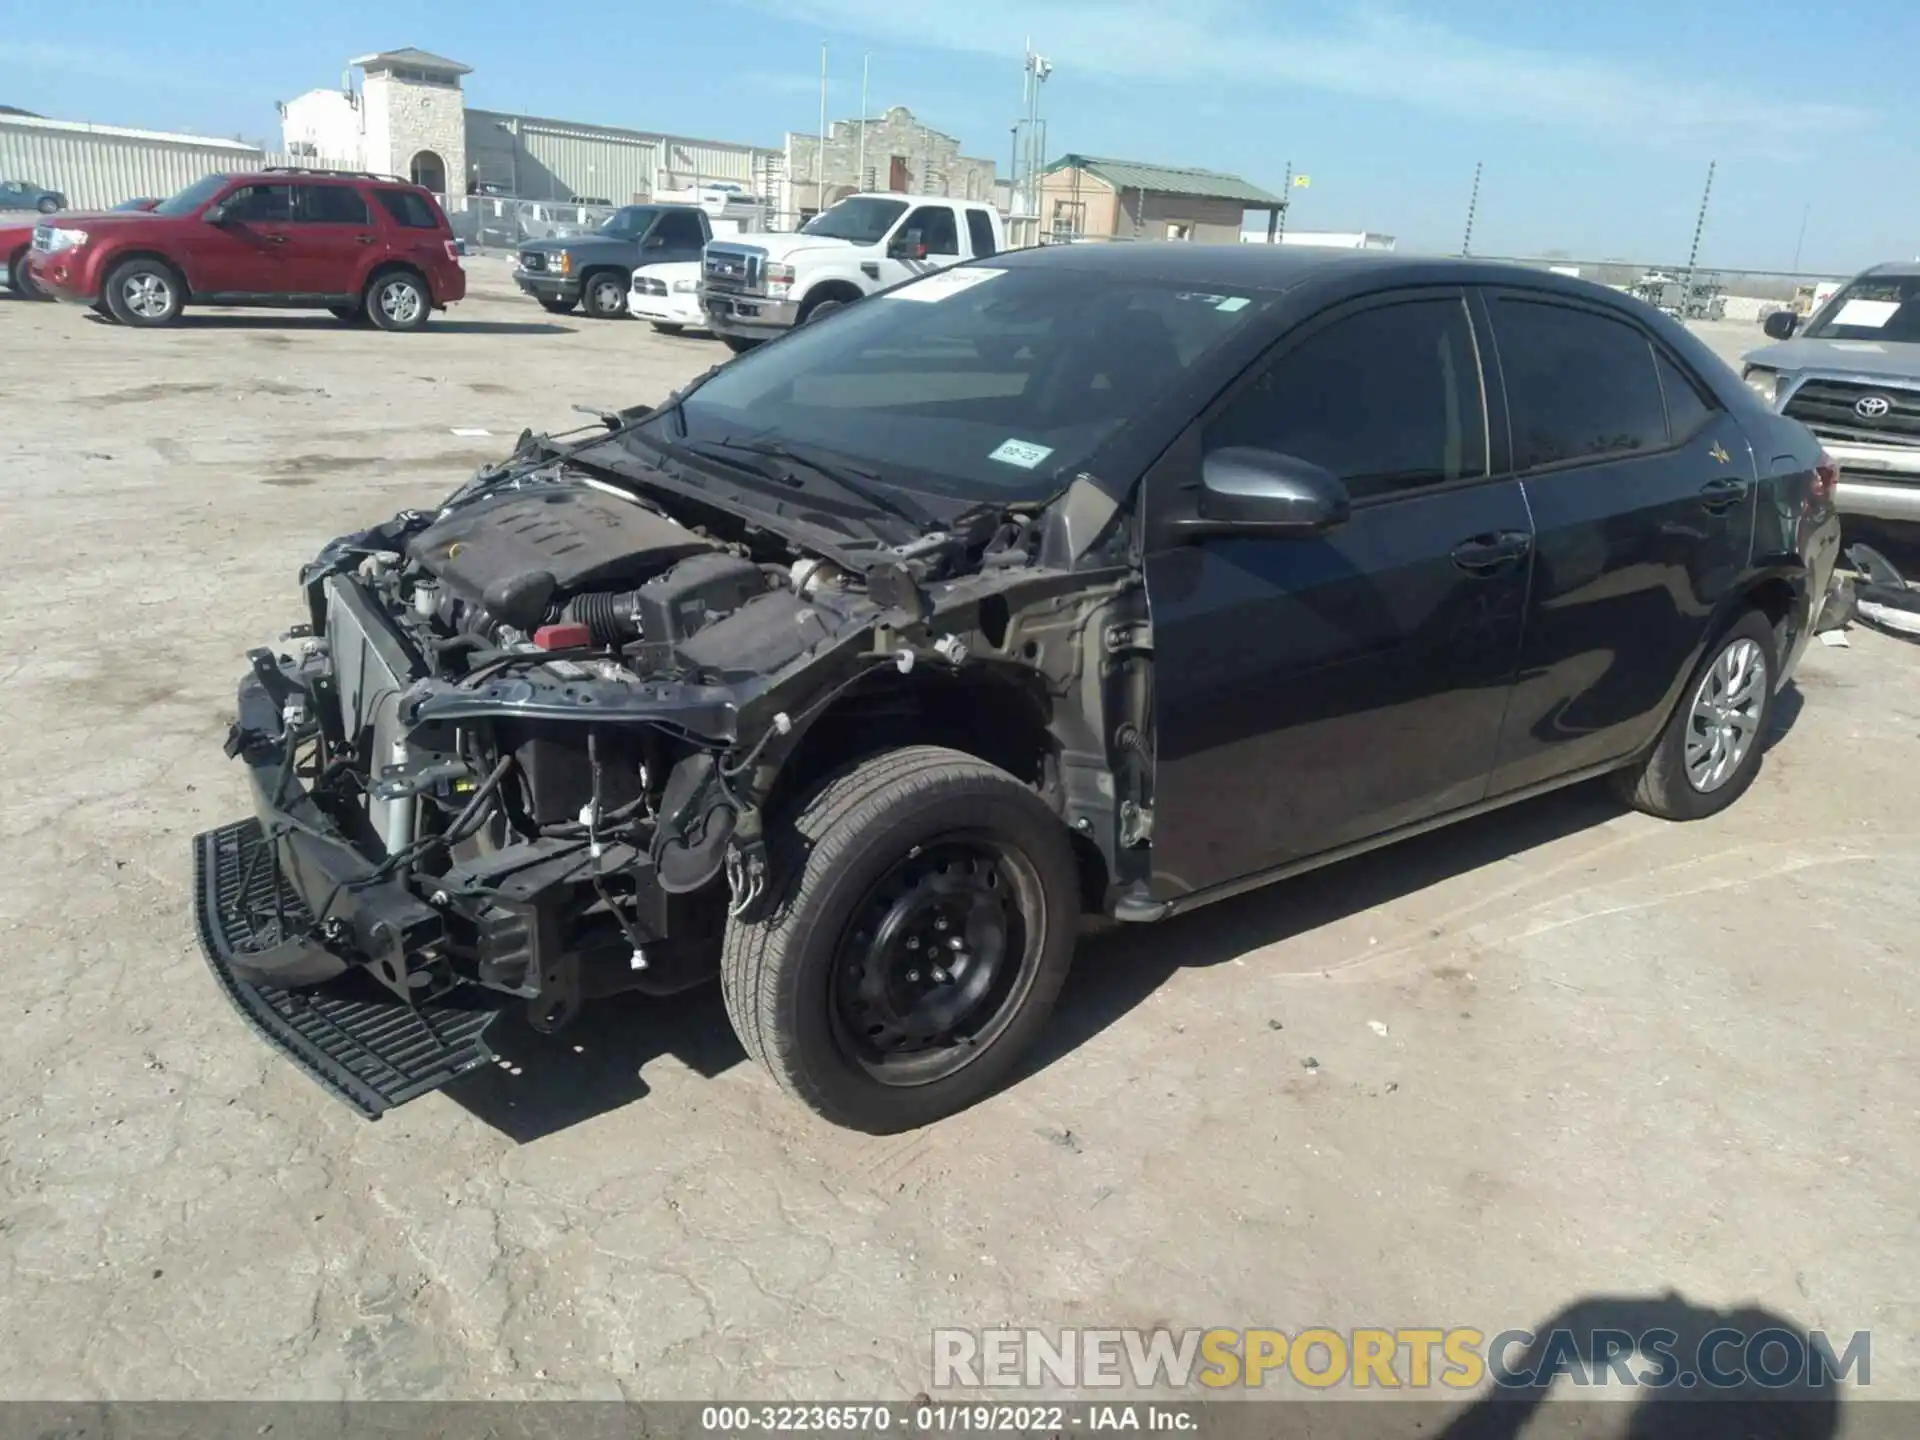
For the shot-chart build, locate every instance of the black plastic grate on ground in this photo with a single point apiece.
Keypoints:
(352, 1035)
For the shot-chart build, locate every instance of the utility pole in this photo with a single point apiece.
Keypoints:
(1473, 204)
(860, 166)
(1693, 255)
(820, 155)
(1277, 232)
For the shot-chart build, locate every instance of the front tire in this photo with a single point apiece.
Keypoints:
(820, 309)
(1709, 752)
(555, 307)
(398, 300)
(604, 295)
(18, 280)
(921, 852)
(668, 328)
(739, 345)
(144, 293)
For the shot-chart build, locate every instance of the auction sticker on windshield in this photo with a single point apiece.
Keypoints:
(1023, 453)
(942, 283)
(1867, 314)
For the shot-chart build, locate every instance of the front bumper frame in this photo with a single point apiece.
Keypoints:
(748, 317)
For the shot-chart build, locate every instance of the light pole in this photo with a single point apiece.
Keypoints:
(1038, 69)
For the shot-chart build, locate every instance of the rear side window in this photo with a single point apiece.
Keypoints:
(260, 204)
(408, 209)
(329, 205)
(1687, 410)
(1388, 400)
(1580, 386)
(980, 232)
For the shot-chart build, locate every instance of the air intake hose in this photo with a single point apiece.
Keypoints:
(613, 619)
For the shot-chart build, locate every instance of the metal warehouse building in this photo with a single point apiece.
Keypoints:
(97, 166)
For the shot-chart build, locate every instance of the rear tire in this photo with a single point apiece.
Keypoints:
(604, 295)
(144, 293)
(1709, 752)
(398, 300)
(918, 840)
(47, 205)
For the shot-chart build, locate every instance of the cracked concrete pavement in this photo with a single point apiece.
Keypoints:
(1556, 1053)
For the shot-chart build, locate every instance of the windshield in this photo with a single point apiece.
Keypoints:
(629, 221)
(977, 382)
(193, 197)
(1883, 308)
(863, 220)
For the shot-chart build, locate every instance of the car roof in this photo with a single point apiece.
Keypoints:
(1274, 267)
(1897, 269)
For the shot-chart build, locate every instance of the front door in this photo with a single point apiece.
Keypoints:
(927, 238)
(1313, 692)
(1642, 493)
(677, 237)
(331, 242)
(244, 254)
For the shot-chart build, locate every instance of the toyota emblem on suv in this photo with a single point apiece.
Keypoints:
(1872, 407)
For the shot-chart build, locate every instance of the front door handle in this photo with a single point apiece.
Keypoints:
(274, 239)
(1717, 495)
(1488, 554)
(365, 239)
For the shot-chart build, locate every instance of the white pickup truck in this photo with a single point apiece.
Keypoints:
(755, 287)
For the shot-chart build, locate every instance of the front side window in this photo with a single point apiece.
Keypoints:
(976, 382)
(862, 219)
(260, 204)
(932, 227)
(677, 230)
(330, 205)
(1580, 386)
(1871, 308)
(1387, 399)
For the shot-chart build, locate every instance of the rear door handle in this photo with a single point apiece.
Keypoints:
(1718, 495)
(1490, 553)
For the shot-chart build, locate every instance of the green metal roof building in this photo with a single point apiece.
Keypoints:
(1097, 197)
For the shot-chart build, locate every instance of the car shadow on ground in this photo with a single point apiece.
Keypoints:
(278, 320)
(546, 1083)
(1709, 1363)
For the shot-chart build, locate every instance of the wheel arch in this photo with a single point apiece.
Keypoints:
(832, 288)
(989, 716)
(113, 260)
(391, 266)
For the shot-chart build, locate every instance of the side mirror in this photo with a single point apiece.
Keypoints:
(908, 247)
(1781, 324)
(654, 242)
(1246, 491)
(214, 215)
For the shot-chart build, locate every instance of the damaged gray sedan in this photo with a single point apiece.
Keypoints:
(835, 676)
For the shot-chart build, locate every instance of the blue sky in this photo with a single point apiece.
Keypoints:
(1596, 122)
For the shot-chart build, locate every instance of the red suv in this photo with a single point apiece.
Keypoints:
(357, 245)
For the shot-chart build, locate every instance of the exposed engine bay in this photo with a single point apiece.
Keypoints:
(533, 741)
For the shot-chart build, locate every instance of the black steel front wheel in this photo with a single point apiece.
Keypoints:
(918, 924)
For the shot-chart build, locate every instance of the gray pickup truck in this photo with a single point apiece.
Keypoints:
(596, 269)
(1851, 375)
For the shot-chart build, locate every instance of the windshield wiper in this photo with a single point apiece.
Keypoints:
(863, 484)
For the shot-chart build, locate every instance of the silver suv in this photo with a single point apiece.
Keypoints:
(1852, 376)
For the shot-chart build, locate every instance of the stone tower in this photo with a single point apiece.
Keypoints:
(416, 118)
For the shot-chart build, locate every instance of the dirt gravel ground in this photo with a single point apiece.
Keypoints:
(1556, 1054)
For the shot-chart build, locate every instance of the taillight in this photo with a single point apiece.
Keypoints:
(1826, 479)
(453, 249)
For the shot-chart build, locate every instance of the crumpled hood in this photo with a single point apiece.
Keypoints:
(786, 246)
(1892, 360)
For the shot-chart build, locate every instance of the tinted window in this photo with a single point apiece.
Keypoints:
(936, 229)
(1579, 385)
(331, 205)
(980, 232)
(1388, 400)
(408, 209)
(1687, 410)
(977, 382)
(260, 203)
(678, 230)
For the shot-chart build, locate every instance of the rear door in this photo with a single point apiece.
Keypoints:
(1314, 692)
(331, 241)
(1642, 493)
